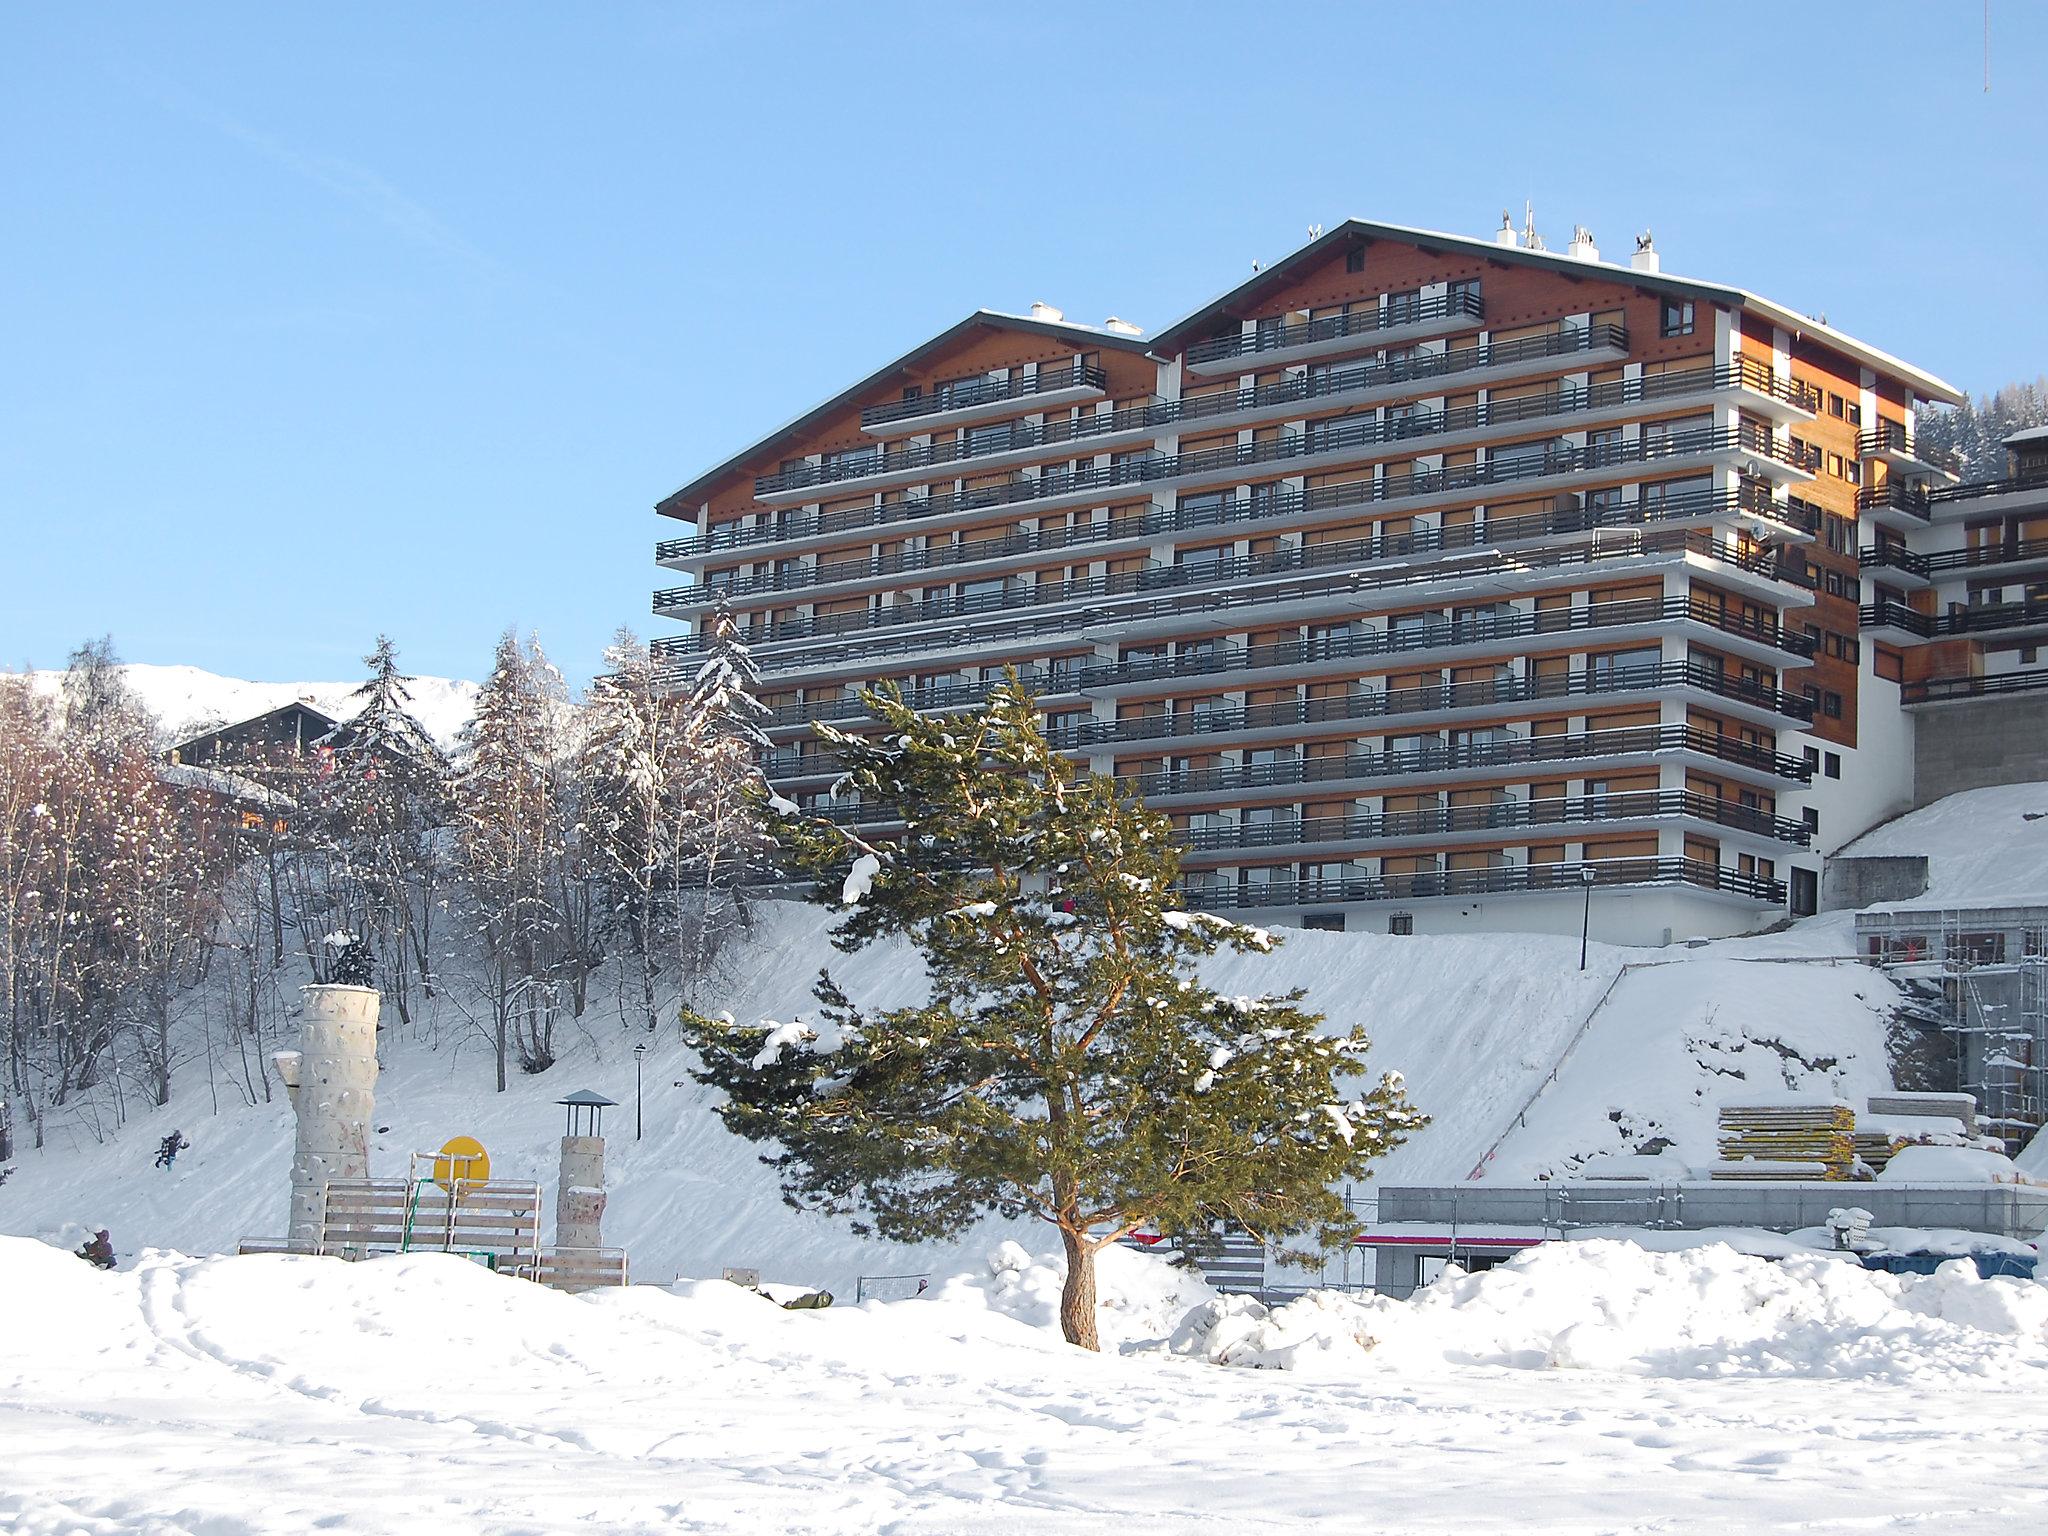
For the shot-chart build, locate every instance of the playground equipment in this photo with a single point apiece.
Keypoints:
(332, 1082)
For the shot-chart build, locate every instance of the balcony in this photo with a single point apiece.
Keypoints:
(2020, 555)
(1021, 439)
(1545, 816)
(1956, 690)
(1770, 705)
(1400, 317)
(1895, 505)
(2025, 483)
(1219, 583)
(982, 397)
(1961, 619)
(1890, 443)
(1512, 878)
(1474, 759)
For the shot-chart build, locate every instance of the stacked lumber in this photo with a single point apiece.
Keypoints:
(1947, 1106)
(1761, 1170)
(1779, 1135)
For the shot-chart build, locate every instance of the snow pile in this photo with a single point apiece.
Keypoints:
(1619, 1307)
(1984, 847)
(1140, 1299)
(1948, 1165)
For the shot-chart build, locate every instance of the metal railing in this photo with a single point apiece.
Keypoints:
(1394, 826)
(1499, 752)
(1973, 618)
(1899, 557)
(1376, 704)
(1895, 496)
(1687, 507)
(2026, 480)
(1892, 437)
(1483, 882)
(1015, 438)
(1200, 577)
(954, 397)
(1395, 312)
(1941, 690)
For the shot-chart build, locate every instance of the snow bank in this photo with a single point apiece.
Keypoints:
(1619, 1307)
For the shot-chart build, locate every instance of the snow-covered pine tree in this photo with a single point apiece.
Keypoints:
(1069, 1062)
(1975, 431)
(631, 779)
(385, 804)
(723, 836)
(509, 834)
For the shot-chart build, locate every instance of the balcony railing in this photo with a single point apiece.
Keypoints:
(1894, 496)
(1494, 753)
(1687, 507)
(1501, 815)
(1944, 690)
(2027, 480)
(2005, 552)
(1222, 719)
(954, 397)
(1892, 437)
(1481, 882)
(1462, 302)
(1202, 576)
(1564, 401)
(1975, 618)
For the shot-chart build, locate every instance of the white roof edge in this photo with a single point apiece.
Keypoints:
(1923, 382)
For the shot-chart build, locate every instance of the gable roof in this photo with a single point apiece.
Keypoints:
(680, 502)
(325, 721)
(1177, 334)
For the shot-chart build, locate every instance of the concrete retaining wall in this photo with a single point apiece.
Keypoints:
(1975, 742)
(1848, 884)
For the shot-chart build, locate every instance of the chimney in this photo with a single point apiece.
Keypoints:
(1505, 235)
(1040, 310)
(1582, 247)
(1122, 327)
(1645, 258)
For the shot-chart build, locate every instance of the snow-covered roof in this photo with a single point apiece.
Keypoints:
(1984, 848)
(1923, 383)
(2030, 435)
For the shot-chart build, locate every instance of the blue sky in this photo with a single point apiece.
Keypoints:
(325, 320)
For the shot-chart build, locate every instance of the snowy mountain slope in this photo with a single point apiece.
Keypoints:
(1475, 1024)
(185, 699)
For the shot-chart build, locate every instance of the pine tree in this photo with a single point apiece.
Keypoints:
(631, 778)
(722, 837)
(1069, 1063)
(510, 834)
(385, 803)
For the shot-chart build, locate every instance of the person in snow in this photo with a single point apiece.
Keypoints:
(168, 1149)
(99, 1251)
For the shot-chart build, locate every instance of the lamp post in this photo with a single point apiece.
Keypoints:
(1586, 922)
(639, 1056)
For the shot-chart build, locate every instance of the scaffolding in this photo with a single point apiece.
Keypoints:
(1990, 966)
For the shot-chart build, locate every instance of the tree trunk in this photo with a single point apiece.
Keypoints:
(1077, 1296)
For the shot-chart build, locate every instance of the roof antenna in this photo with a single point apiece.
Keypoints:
(1315, 231)
(1530, 239)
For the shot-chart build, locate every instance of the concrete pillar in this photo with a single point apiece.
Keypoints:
(579, 1195)
(332, 1079)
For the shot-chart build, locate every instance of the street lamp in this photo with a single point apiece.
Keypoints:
(640, 1055)
(1586, 922)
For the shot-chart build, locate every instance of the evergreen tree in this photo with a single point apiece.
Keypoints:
(722, 836)
(1068, 1063)
(510, 835)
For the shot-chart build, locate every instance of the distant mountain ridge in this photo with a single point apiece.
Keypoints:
(187, 700)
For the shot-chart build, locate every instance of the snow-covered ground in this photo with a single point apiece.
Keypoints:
(186, 699)
(1986, 847)
(1588, 1387)
(1477, 1025)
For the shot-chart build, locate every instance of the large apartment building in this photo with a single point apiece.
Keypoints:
(1427, 582)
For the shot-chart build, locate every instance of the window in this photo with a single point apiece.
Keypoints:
(1812, 756)
(1831, 706)
(1354, 261)
(1464, 295)
(1675, 318)
(1831, 764)
(1325, 922)
(1811, 818)
(1404, 308)
(1400, 922)
(2029, 654)
(1836, 407)
(1805, 892)
(1889, 664)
